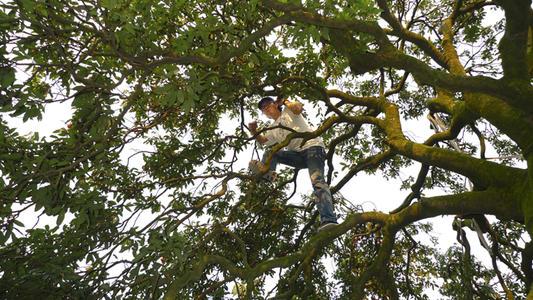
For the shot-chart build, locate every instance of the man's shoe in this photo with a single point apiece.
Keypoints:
(326, 226)
(255, 167)
(270, 176)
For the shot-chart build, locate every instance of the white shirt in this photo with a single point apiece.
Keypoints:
(293, 121)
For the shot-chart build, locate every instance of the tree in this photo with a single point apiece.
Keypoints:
(180, 70)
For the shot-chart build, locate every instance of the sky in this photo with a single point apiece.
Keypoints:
(372, 192)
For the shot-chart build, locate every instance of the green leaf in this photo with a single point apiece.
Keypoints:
(3, 237)
(109, 4)
(83, 217)
(83, 101)
(7, 77)
(42, 196)
(315, 34)
(5, 23)
(189, 97)
(28, 4)
(60, 218)
(42, 10)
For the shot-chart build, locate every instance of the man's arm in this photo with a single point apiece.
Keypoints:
(294, 106)
(253, 130)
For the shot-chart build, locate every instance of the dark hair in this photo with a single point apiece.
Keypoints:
(265, 101)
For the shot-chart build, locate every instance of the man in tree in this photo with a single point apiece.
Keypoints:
(159, 91)
(310, 155)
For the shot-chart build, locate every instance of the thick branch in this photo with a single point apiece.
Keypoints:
(517, 95)
(527, 258)
(379, 268)
(482, 173)
(501, 203)
(513, 45)
(370, 102)
(310, 249)
(300, 14)
(494, 202)
(452, 58)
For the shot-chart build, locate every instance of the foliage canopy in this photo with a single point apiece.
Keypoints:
(168, 75)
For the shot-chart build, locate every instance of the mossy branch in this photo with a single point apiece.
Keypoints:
(513, 45)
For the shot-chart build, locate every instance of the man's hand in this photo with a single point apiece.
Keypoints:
(294, 106)
(280, 101)
(252, 126)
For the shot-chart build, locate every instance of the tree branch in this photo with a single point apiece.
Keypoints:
(492, 202)
(417, 39)
(513, 45)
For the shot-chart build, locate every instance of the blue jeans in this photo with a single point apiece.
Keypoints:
(313, 159)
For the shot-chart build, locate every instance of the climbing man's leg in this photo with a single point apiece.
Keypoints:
(315, 157)
(290, 158)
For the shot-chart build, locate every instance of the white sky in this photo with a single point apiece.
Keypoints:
(372, 192)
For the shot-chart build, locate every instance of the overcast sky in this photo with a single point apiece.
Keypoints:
(372, 192)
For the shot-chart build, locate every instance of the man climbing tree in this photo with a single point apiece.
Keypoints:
(145, 195)
(300, 154)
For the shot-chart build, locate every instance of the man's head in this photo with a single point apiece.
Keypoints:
(269, 107)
